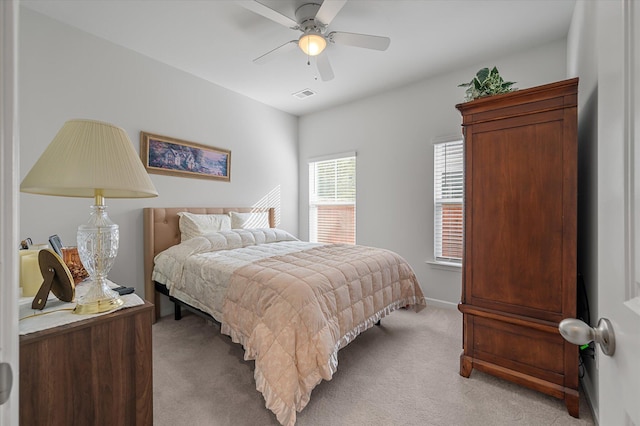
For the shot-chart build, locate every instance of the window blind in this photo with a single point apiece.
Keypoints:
(448, 201)
(332, 200)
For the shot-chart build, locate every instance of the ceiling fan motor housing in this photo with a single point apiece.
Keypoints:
(306, 17)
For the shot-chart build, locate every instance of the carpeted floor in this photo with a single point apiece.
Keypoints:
(404, 372)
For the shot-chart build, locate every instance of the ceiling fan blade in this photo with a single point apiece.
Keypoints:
(269, 13)
(328, 10)
(324, 67)
(290, 45)
(359, 40)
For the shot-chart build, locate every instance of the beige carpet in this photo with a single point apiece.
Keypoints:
(404, 372)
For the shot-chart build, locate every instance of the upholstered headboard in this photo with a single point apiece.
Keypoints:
(161, 231)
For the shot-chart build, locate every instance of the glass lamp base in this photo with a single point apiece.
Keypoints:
(100, 298)
(98, 306)
(97, 247)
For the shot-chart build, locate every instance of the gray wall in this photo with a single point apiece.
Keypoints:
(393, 135)
(66, 73)
(582, 61)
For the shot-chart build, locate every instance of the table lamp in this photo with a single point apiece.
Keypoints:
(92, 159)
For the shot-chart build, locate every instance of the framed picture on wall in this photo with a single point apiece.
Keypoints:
(169, 156)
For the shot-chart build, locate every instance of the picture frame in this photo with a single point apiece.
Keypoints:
(170, 156)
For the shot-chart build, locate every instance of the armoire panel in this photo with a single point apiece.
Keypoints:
(516, 186)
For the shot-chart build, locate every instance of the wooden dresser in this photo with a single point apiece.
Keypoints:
(92, 372)
(519, 263)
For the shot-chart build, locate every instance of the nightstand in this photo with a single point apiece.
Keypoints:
(96, 371)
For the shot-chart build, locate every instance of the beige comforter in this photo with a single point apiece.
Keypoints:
(293, 312)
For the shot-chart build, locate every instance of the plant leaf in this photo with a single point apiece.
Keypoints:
(483, 74)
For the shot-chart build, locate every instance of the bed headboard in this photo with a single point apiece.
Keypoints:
(161, 231)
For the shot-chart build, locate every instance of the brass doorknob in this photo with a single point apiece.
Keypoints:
(580, 333)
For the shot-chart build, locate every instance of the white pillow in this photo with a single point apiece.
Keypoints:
(193, 225)
(249, 220)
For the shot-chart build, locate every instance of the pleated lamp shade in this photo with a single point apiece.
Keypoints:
(87, 158)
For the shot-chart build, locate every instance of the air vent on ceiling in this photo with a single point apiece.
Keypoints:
(304, 93)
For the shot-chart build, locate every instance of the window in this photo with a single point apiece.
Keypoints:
(448, 196)
(332, 200)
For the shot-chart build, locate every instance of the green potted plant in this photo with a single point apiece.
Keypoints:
(487, 82)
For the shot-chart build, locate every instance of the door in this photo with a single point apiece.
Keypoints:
(619, 208)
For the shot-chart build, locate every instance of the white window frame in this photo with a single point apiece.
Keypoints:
(448, 163)
(314, 202)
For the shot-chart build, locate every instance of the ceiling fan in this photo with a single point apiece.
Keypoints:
(312, 19)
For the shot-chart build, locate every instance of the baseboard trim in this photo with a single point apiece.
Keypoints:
(441, 304)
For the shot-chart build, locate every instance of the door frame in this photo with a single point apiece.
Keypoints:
(9, 226)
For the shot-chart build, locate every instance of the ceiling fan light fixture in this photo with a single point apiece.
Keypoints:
(312, 44)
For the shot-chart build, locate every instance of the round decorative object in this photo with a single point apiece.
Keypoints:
(57, 279)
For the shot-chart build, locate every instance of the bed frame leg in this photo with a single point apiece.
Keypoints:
(378, 323)
(177, 311)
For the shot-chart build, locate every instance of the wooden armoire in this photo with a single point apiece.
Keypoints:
(520, 231)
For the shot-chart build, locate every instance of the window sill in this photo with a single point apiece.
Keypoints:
(445, 266)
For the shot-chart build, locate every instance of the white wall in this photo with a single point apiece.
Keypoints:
(392, 134)
(66, 73)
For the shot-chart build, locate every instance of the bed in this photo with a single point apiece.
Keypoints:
(291, 304)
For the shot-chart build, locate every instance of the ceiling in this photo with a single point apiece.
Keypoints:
(217, 40)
